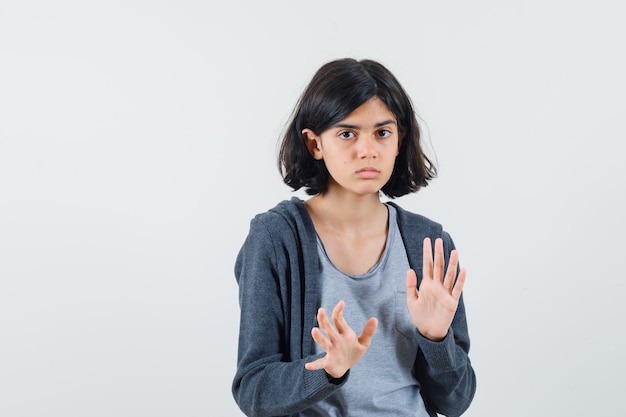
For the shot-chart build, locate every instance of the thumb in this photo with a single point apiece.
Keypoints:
(316, 364)
(368, 332)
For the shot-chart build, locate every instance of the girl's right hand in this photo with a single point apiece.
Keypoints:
(342, 346)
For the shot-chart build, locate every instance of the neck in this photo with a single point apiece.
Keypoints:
(343, 212)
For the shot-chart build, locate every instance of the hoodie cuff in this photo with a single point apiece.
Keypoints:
(439, 355)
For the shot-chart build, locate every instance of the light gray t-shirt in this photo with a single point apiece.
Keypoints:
(383, 381)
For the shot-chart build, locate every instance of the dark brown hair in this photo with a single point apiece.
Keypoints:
(337, 89)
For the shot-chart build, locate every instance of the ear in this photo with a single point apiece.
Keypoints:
(312, 143)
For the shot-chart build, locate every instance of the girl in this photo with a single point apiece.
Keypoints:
(396, 341)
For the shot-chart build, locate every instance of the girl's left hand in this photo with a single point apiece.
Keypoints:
(433, 307)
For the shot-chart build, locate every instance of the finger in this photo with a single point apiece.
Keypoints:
(325, 324)
(460, 283)
(368, 332)
(340, 322)
(320, 339)
(316, 364)
(448, 281)
(411, 286)
(427, 262)
(439, 261)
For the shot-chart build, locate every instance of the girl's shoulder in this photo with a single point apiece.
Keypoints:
(410, 220)
(414, 228)
(286, 211)
(286, 217)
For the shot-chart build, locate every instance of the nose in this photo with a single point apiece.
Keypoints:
(367, 147)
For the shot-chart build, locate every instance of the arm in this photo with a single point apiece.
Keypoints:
(270, 380)
(445, 371)
(437, 311)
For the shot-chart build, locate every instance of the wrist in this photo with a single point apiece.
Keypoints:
(433, 336)
(334, 380)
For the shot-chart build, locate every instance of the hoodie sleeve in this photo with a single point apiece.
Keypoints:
(267, 381)
(444, 368)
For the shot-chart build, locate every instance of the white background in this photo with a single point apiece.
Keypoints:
(138, 138)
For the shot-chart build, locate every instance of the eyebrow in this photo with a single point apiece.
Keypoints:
(379, 124)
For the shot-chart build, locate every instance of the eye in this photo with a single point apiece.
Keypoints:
(384, 133)
(346, 134)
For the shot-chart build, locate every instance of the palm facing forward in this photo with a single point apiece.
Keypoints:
(433, 307)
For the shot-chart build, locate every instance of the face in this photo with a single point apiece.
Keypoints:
(359, 151)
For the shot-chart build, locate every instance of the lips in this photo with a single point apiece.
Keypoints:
(368, 172)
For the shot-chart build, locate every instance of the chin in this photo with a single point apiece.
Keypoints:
(369, 191)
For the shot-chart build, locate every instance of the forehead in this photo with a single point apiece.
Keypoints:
(374, 111)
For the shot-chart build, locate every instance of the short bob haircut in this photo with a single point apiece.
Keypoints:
(337, 89)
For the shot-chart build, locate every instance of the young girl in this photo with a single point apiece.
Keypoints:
(351, 306)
